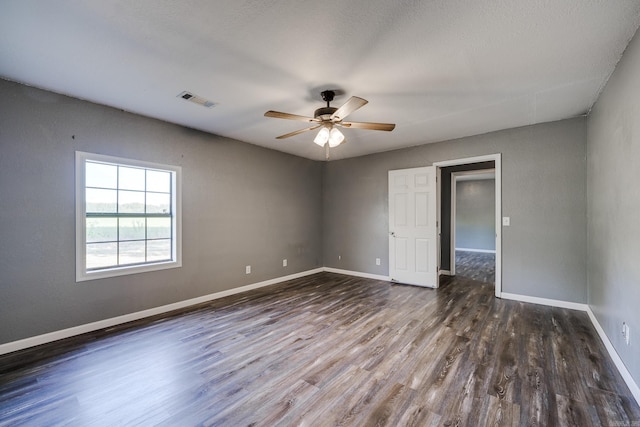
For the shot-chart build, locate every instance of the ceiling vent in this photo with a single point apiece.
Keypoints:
(196, 99)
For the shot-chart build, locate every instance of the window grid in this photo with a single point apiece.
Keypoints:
(134, 223)
(145, 215)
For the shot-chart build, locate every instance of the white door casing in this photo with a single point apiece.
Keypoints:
(412, 226)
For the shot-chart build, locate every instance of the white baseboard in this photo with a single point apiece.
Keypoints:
(107, 323)
(444, 272)
(484, 251)
(624, 372)
(545, 301)
(357, 274)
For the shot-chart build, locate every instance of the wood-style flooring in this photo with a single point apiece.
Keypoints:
(477, 266)
(328, 350)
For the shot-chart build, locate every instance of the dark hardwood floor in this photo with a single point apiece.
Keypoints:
(328, 350)
(477, 266)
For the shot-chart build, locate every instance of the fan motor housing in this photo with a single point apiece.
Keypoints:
(324, 113)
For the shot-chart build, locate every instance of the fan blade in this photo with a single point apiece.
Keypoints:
(287, 135)
(370, 126)
(348, 107)
(279, 115)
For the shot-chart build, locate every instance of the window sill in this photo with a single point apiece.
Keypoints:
(82, 276)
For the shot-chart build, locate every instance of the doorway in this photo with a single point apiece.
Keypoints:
(473, 242)
(447, 245)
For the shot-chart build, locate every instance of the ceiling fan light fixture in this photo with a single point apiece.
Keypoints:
(327, 118)
(335, 137)
(322, 137)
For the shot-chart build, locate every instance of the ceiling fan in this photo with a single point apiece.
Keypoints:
(328, 119)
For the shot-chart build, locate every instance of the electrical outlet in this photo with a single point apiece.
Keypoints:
(339, 257)
(247, 269)
(284, 262)
(377, 261)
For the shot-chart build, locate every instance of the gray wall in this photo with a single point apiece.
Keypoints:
(241, 205)
(475, 214)
(613, 181)
(543, 191)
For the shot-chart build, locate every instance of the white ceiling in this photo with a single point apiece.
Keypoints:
(439, 69)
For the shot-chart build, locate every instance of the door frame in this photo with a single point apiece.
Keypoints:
(497, 159)
(452, 233)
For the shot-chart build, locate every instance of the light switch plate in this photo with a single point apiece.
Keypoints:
(506, 221)
(625, 332)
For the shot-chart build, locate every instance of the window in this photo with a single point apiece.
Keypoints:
(127, 216)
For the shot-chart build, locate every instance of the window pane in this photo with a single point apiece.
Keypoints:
(101, 200)
(158, 181)
(158, 203)
(132, 228)
(132, 252)
(158, 250)
(101, 175)
(129, 224)
(130, 202)
(158, 228)
(101, 255)
(131, 178)
(102, 229)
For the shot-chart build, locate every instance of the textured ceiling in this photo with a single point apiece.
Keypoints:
(438, 69)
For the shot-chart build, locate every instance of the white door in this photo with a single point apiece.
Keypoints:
(412, 226)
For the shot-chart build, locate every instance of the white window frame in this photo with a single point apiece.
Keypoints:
(81, 271)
